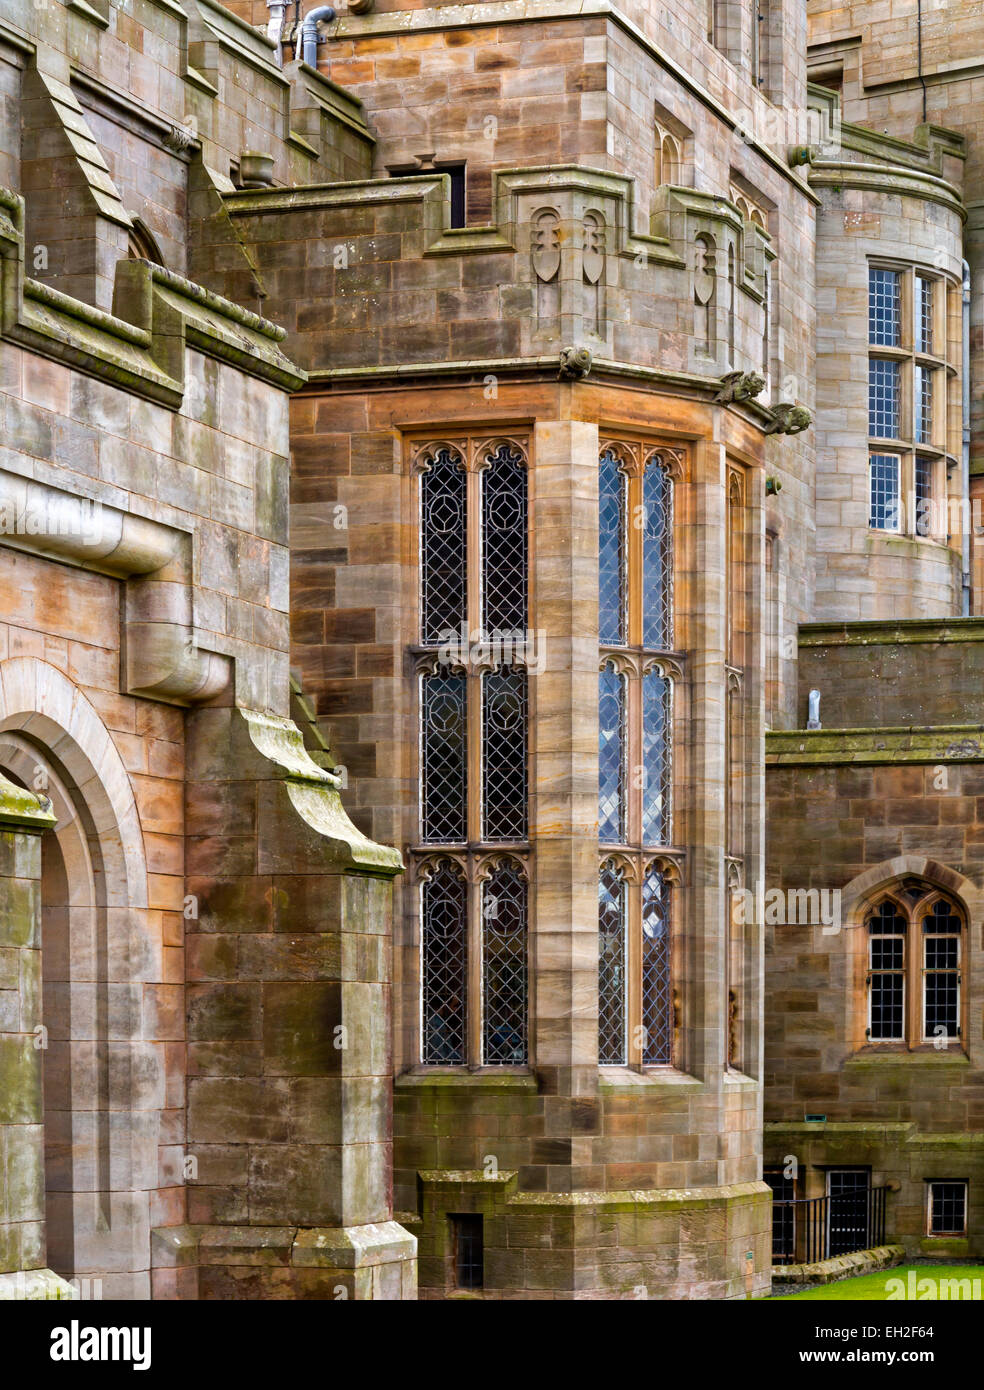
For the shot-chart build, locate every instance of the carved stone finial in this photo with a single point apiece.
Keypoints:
(788, 419)
(740, 386)
(575, 363)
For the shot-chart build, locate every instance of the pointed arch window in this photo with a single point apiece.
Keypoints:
(612, 570)
(657, 999)
(474, 713)
(657, 555)
(445, 965)
(611, 755)
(914, 981)
(657, 726)
(612, 974)
(638, 674)
(504, 966)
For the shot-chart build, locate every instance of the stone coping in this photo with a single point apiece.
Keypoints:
(891, 632)
(840, 1266)
(332, 1247)
(485, 1079)
(619, 1200)
(140, 346)
(943, 743)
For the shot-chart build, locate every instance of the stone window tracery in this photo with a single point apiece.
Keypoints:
(472, 858)
(913, 985)
(639, 672)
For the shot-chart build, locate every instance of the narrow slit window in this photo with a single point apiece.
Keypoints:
(443, 538)
(656, 744)
(504, 971)
(612, 588)
(657, 998)
(444, 941)
(468, 1240)
(611, 967)
(924, 314)
(504, 774)
(504, 545)
(657, 556)
(611, 755)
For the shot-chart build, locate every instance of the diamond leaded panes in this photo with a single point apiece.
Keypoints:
(443, 541)
(611, 755)
(504, 542)
(504, 774)
(657, 770)
(504, 989)
(611, 967)
(657, 999)
(444, 965)
(444, 733)
(612, 587)
(657, 556)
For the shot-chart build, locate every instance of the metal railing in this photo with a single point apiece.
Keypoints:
(805, 1230)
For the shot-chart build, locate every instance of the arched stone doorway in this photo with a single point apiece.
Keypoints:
(104, 1074)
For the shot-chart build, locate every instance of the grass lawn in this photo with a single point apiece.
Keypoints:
(925, 1283)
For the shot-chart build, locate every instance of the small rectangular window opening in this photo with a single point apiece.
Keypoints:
(469, 1252)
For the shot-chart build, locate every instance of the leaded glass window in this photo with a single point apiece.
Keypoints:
(505, 543)
(444, 965)
(474, 707)
(924, 405)
(444, 740)
(657, 556)
(611, 967)
(884, 307)
(636, 690)
(941, 979)
(657, 999)
(505, 718)
(924, 314)
(886, 985)
(884, 505)
(910, 399)
(612, 586)
(884, 418)
(611, 755)
(504, 952)
(914, 968)
(924, 495)
(443, 540)
(656, 765)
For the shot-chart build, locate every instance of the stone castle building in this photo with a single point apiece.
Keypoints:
(438, 444)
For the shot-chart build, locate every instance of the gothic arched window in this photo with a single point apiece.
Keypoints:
(914, 989)
(473, 661)
(638, 668)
